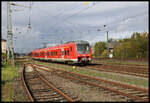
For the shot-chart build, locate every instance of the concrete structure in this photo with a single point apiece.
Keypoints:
(110, 46)
(3, 45)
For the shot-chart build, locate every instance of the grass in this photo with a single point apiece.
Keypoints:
(122, 62)
(129, 80)
(8, 73)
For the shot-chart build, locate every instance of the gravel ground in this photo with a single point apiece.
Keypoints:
(82, 91)
(20, 93)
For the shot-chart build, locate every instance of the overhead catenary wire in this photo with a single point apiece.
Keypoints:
(51, 16)
(61, 13)
(75, 24)
(29, 24)
(119, 21)
(80, 11)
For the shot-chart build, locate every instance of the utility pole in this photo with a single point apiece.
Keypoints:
(10, 52)
(107, 44)
(107, 36)
(107, 39)
(10, 48)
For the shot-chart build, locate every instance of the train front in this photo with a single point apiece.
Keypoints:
(83, 52)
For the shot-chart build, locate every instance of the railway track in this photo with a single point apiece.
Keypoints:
(141, 72)
(128, 92)
(39, 89)
(117, 62)
(128, 70)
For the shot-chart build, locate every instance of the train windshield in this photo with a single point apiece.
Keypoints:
(83, 48)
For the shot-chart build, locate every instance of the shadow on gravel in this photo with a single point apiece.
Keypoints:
(77, 64)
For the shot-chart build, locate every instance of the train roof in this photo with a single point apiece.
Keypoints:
(69, 42)
(77, 41)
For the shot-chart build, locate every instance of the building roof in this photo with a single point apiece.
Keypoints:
(3, 40)
(109, 45)
(112, 44)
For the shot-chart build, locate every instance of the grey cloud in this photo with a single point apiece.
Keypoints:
(49, 29)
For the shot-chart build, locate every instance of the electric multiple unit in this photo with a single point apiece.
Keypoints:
(74, 52)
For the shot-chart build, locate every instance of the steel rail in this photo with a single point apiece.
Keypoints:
(25, 85)
(117, 71)
(99, 79)
(110, 89)
(106, 88)
(53, 87)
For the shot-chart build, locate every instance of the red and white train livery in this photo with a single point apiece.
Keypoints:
(74, 52)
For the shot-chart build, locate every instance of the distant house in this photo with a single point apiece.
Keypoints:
(110, 47)
(3, 45)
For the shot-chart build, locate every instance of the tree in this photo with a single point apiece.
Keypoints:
(99, 48)
(135, 47)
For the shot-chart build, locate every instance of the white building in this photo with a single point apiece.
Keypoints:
(3, 45)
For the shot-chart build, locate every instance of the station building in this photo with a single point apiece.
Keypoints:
(3, 45)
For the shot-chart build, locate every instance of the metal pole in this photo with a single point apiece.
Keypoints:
(107, 36)
(107, 44)
(10, 53)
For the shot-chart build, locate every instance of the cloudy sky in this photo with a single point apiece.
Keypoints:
(53, 22)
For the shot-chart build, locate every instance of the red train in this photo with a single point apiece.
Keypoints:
(70, 52)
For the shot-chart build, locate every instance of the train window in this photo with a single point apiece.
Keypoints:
(65, 53)
(68, 52)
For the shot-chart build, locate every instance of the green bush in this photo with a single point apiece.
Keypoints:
(134, 47)
(99, 48)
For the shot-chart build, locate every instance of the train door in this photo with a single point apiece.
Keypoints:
(45, 53)
(62, 52)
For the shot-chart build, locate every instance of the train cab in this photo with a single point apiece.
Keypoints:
(83, 52)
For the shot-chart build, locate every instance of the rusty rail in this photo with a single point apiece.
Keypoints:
(106, 81)
(117, 71)
(53, 87)
(99, 79)
(47, 82)
(123, 70)
(25, 85)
